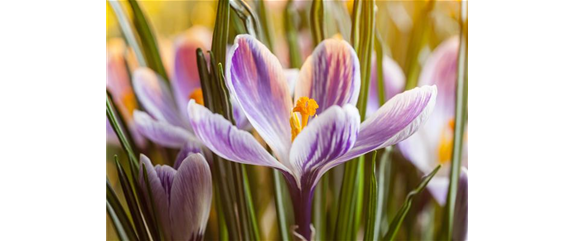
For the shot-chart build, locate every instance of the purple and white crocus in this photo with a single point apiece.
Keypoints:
(165, 120)
(318, 131)
(181, 196)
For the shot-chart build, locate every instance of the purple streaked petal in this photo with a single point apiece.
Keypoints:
(331, 75)
(255, 77)
(329, 136)
(394, 80)
(161, 132)
(156, 97)
(159, 193)
(190, 200)
(227, 141)
(396, 120)
(186, 76)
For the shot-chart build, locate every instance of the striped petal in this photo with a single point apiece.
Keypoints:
(161, 132)
(328, 137)
(159, 189)
(190, 199)
(331, 75)
(398, 119)
(394, 83)
(156, 97)
(256, 79)
(227, 141)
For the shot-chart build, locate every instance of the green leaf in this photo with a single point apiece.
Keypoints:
(116, 222)
(280, 207)
(131, 202)
(459, 122)
(111, 114)
(118, 215)
(398, 220)
(291, 33)
(371, 214)
(317, 29)
(148, 41)
(382, 191)
(128, 31)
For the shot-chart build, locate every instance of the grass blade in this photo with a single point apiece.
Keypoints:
(131, 202)
(148, 41)
(317, 29)
(291, 33)
(398, 220)
(459, 123)
(128, 31)
(119, 214)
(280, 207)
(111, 114)
(116, 222)
(373, 196)
(382, 189)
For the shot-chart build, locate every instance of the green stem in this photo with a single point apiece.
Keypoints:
(280, 206)
(317, 29)
(459, 123)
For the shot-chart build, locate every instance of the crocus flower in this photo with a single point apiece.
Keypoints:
(118, 83)
(318, 131)
(394, 82)
(164, 121)
(182, 196)
(432, 144)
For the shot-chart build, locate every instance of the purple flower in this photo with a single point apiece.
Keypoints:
(182, 196)
(394, 82)
(165, 120)
(322, 131)
(432, 144)
(118, 84)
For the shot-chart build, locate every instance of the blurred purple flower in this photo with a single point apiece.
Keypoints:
(432, 144)
(322, 131)
(164, 121)
(118, 83)
(182, 196)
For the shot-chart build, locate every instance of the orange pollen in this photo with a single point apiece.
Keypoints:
(306, 107)
(445, 143)
(197, 95)
(129, 102)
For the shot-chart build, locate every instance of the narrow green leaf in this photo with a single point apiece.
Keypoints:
(128, 31)
(419, 37)
(220, 33)
(382, 191)
(317, 29)
(111, 114)
(402, 213)
(253, 218)
(380, 74)
(148, 40)
(133, 206)
(459, 122)
(242, 9)
(291, 33)
(119, 213)
(280, 207)
(116, 222)
(266, 26)
(371, 213)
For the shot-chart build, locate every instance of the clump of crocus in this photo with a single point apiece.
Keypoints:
(318, 130)
(181, 196)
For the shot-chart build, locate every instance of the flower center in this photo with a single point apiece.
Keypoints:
(445, 144)
(306, 107)
(197, 95)
(129, 101)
